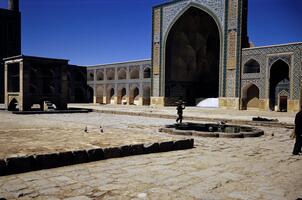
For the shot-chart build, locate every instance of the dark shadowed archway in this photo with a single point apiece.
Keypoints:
(251, 97)
(278, 72)
(192, 57)
(13, 105)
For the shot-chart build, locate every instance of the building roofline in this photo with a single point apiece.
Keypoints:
(34, 57)
(166, 3)
(274, 45)
(116, 63)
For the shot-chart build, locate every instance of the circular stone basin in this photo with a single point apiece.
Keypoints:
(212, 130)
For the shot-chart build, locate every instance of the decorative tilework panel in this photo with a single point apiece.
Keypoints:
(266, 56)
(170, 12)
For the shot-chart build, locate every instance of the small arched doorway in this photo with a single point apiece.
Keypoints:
(13, 105)
(279, 72)
(110, 96)
(146, 95)
(121, 98)
(99, 94)
(134, 96)
(251, 97)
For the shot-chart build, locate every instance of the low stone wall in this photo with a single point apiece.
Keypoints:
(15, 165)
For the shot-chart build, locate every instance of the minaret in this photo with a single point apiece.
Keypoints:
(13, 5)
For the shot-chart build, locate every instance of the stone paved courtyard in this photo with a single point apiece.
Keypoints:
(32, 134)
(217, 168)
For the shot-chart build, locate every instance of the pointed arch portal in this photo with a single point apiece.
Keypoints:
(192, 57)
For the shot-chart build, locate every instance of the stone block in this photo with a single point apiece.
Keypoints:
(151, 148)
(182, 132)
(126, 150)
(205, 134)
(80, 156)
(65, 158)
(47, 161)
(20, 164)
(231, 135)
(137, 149)
(166, 146)
(113, 152)
(2, 167)
(95, 154)
(184, 144)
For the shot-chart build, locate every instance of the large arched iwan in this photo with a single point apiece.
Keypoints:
(279, 72)
(192, 57)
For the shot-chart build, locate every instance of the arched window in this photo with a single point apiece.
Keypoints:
(110, 75)
(122, 74)
(100, 76)
(147, 72)
(90, 76)
(134, 74)
(252, 66)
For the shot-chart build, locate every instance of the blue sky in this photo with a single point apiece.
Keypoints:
(102, 31)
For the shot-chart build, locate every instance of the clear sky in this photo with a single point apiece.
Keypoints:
(102, 31)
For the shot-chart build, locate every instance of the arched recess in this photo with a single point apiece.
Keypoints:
(110, 96)
(146, 95)
(110, 75)
(147, 72)
(100, 76)
(90, 76)
(134, 96)
(251, 66)
(121, 96)
(121, 74)
(192, 57)
(99, 94)
(134, 73)
(13, 105)
(282, 100)
(279, 72)
(250, 97)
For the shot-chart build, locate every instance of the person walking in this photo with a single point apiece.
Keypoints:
(180, 107)
(298, 133)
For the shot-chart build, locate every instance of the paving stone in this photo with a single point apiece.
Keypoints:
(78, 198)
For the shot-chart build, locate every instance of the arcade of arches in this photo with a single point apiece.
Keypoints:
(126, 83)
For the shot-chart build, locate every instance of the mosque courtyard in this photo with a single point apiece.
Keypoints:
(216, 168)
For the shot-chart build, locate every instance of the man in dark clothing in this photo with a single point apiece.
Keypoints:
(180, 108)
(298, 132)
